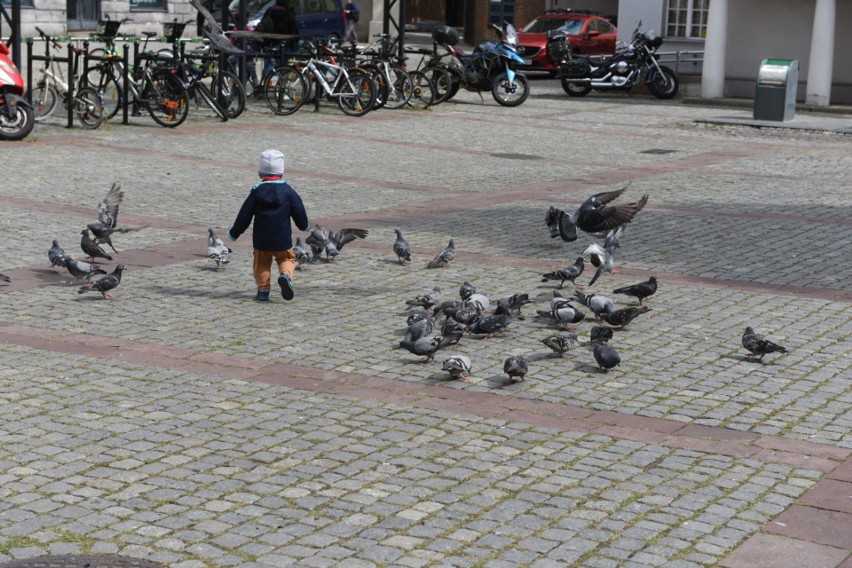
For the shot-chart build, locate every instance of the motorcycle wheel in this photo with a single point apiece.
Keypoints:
(508, 94)
(19, 127)
(575, 89)
(664, 85)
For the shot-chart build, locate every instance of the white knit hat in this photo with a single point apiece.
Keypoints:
(271, 163)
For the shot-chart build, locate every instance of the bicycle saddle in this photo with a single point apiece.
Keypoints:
(149, 34)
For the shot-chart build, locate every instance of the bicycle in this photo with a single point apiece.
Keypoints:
(157, 90)
(286, 87)
(396, 86)
(231, 95)
(51, 88)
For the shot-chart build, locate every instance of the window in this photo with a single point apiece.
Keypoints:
(500, 11)
(24, 3)
(147, 4)
(687, 18)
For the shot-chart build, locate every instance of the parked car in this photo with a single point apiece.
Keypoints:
(587, 33)
(314, 18)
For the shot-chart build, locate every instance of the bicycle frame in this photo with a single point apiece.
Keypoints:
(329, 88)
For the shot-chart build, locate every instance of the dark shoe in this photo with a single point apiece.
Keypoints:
(287, 289)
(262, 296)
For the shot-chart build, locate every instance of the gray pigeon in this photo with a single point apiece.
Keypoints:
(337, 239)
(478, 301)
(560, 343)
(641, 290)
(427, 300)
(82, 270)
(489, 325)
(427, 346)
(458, 366)
(107, 223)
(444, 257)
(91, 248)
(606, 356)
(322, 240)
(55, 254)
(511, 305)
(604, 258)
(564, 313)
(594, 216)
(600, 333)
(516, 367)
(420, 327)
(217, 250)
(303, 254)
(401, 248)
(569, 273)
(105, 284)
(595, 302)
(466, 290)
(465, 315)
(620, 318)
(756, 344)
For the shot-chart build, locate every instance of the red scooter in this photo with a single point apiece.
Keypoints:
(16, 114)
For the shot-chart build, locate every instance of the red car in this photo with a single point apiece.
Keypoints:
(588, 33)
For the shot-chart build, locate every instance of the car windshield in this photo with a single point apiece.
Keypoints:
(544, 25)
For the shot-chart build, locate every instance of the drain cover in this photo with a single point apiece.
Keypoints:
(658, 151)
(69, 561)
(516, 156)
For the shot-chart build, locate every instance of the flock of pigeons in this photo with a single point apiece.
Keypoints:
(471, 313)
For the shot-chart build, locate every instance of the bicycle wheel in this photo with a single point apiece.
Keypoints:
(201, 90)
(400, 90)
(442, 81)
(109, 88)
(231, 95)
(44, 100)
(284, 89)
(88, 107)
(423, 93)
(165, 98)
(383, 88)
(357, 94)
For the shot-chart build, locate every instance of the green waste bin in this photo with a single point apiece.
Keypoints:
(775, 98)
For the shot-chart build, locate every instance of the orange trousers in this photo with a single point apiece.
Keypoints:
(286, 260)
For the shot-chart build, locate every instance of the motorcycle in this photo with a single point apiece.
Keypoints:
(491, 66)
(16, 114)
(629, 65)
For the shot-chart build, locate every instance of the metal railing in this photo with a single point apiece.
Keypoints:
(689, 59)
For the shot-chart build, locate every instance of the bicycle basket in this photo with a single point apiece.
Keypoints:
(173, 30)
(108, 28)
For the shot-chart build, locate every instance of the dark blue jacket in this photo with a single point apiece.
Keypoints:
(272, 204)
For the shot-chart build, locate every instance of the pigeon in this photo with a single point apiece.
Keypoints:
(427, 346)
(417, 316)
(444, 257)
(564, 313)
(603, 258)
(427, 300)
(606, 356)
(401, 248)
(91, 248)
(458, 366)
(594, 216)
(82, 270)
(331, 243)
(465, 315)
(478, 301)
(5, 278)
(107, 223)
(516, 366)
(595, 302)
(421, 327)
(447, 308)
(452, 329)
(560, 343)
(466, 290)
(56, 254)
(569, 273)
(217, 250)
(489, 325)
(640, 291)
(511, 305)
(600, 333)
(620, 318)
(105, 284)
(303, 254)
(758, 345)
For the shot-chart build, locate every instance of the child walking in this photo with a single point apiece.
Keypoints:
(272, 203)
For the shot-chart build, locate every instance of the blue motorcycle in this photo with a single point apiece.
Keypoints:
(491, 67)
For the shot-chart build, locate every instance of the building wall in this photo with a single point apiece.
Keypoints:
(477, 29)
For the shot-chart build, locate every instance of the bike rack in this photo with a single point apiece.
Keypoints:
(69, 60)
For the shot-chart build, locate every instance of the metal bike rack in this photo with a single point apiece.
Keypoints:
(69, 60)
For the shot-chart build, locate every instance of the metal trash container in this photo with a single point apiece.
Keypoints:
(775, 98)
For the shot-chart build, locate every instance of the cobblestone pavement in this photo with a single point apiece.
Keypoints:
(185, 424)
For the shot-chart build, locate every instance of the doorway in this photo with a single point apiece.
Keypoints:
(83, 14)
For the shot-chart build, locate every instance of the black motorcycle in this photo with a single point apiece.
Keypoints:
(629, 65)
(491, 66)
